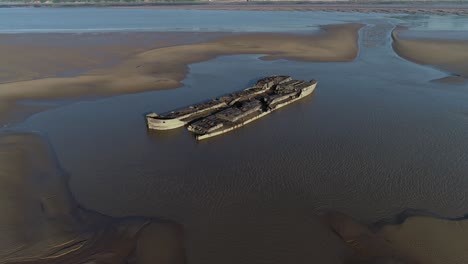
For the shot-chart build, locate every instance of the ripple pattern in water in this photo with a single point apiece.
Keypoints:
(376, 137)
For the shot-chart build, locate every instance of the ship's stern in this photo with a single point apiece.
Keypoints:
(153, 121)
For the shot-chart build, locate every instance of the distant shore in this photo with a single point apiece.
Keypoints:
(371, 7)
(404, 7)
(97, 4)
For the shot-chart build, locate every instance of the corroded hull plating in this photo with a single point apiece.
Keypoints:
(305, 92)
(226, 113)
(154, 121)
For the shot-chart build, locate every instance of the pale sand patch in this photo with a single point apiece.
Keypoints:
(430, 240)
(164, 68)
(37, 56)
(448, 55)
(41, 223)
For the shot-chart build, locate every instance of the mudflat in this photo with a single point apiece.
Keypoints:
(165, 67)
(71, 54)
(55, 229)
(410, 237)
(448, 55)
(42, 223)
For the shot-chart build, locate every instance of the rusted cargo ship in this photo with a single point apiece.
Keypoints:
(224, 114)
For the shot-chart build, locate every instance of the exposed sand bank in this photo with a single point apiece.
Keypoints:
(448, 55)
(164, 68)
(68, 54)
(41, 222)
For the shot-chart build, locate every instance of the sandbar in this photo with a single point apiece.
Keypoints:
(445, 54)
(165, 67)
(71, 54)
(42, 223)
(411, 237)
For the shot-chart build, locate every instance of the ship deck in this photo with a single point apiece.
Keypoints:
(229, 112)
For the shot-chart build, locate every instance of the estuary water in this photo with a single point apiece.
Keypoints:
(79, 20)
(376, 137)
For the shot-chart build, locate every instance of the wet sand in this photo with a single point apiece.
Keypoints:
(431, 240)
(411, 237)
(164, 68)
(66, 233)
(42, 223)
(448, 55)
(68, 55)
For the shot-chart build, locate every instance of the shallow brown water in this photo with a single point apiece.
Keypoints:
(376, 137)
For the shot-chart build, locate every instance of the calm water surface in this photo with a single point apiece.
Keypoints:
(376, 138)
(47, 20)
(22, 20)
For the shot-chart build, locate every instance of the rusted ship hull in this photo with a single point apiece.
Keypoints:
(309, 91)
(232, 111)
(164, 124)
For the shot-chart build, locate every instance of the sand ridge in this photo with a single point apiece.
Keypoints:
(411, 237)
(45, 55)
(448, 55)
(42, 223)
(164, 68)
